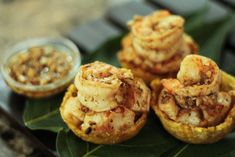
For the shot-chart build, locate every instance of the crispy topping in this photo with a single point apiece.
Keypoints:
(194, 98)
(109, 99)
(156, 43)
(39, 65)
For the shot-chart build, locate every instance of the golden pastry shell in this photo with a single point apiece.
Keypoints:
(192, 134)
(104, 138)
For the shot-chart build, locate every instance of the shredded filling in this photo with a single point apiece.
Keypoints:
(195, 97)
(106, 106)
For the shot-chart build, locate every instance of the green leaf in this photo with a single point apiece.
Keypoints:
(44, 114)
(151, 141)
(106, 53)
(224, 148)
(195, 20)
(211, 37)
(68, 145)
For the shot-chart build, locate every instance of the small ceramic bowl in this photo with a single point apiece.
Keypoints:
(39, 91)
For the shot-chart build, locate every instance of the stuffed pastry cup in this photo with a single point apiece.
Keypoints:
(105, 105)
(156, 45)
(199, 106)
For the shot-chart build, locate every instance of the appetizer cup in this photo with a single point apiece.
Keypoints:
(207, 114)
(156, 45)
(52, 87)
(105, 105)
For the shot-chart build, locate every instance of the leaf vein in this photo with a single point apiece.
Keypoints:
(70, 151)
(40, 118)
(92, 151)
(181, 150)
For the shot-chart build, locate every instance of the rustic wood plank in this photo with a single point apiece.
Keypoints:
(92, 34)
(11, 106)
(121, 14)
(215, 11)
(40, 149)
(181, 7)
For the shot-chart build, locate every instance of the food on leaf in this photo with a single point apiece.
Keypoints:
(197, 106)
(156, 45)
(105, 105)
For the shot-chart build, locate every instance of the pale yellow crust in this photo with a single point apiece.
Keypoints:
(192, 134)
(104, 138)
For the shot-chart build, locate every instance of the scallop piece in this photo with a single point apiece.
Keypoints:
(167, 104)
(189, 117)
(108, 122)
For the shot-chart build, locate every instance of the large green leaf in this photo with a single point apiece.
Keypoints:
(68, 145)
(195, 20)
(106, 53)
(211, 37)
(44, 114)
(224, 148)
(151, 141)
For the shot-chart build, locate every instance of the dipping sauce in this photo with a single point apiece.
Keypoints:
(39, 65)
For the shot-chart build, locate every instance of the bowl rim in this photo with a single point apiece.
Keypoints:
(44, 41)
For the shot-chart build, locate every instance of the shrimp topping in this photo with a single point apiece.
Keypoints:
(156, 43)
(108, 99)
(195, 97)
(197, 76)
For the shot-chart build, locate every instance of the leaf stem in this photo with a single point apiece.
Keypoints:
(92, 151)
(181, 150)
(67, 144)
(87, 147)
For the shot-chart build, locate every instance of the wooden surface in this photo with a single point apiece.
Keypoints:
(24, 19)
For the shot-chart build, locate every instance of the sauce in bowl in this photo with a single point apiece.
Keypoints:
(41, 67)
